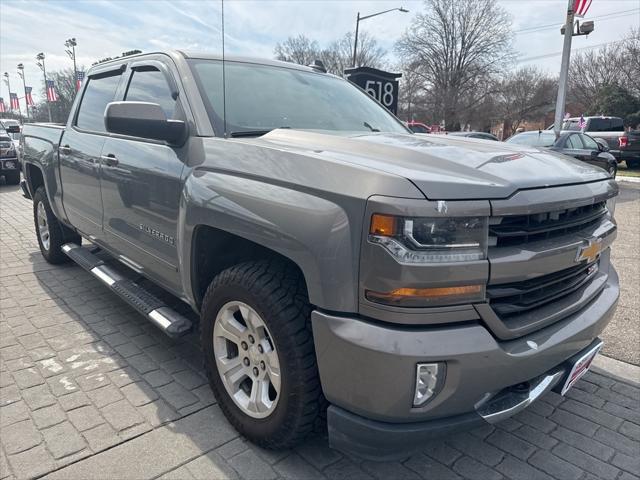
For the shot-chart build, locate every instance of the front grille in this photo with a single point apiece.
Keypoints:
(521, 229)
(512, 299)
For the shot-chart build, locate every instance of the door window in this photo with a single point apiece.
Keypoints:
(150, 85)
(574, 142)
(99, 92)
(589, 143)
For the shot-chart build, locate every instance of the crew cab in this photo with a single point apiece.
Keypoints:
(404, 285)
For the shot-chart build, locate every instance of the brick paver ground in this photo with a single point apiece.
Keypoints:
(89, 389)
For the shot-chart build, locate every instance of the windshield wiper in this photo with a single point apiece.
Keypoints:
(252, 133)
(366, 124)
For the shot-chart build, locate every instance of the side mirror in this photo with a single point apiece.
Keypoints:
(13, 129)
(145, 120)
(595, 153)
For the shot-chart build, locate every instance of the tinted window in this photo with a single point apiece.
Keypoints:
(260, 98)
(536, 139)
(589, 142)
(150, 85)
(99, 92)
(574, 142)
(418, 129)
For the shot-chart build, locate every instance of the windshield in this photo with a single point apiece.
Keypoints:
(260, 98)
(534, 139)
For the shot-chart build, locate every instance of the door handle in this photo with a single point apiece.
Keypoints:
(65, 149)
(110, 160)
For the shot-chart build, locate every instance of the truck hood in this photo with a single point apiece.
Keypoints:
(442, 167)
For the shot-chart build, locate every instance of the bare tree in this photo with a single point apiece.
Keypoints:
(591, 71)
(526, 94)
(300, 49)
(459, 46)
(65, 86)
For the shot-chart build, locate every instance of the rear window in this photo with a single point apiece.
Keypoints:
(605, 125)
(418, 129)
(100, 91)
(536, 139)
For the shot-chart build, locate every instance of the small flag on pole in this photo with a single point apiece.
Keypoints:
(79, 79)
(580, 7)
(3, 109)
(582, 123)
(27, 96)
(13, 99)
(51, 92)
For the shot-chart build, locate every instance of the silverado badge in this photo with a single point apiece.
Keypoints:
(589, 252)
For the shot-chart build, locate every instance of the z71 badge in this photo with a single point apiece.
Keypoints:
(157, 234)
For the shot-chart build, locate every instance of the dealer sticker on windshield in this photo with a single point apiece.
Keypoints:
(580, 367)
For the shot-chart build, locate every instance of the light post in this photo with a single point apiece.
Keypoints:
(6, 80)
(569, 32)
(24, 87)
(71, 51)
(359, 19)
(40, 63)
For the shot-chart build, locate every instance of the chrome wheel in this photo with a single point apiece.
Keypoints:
(246, 359)
(43, 226)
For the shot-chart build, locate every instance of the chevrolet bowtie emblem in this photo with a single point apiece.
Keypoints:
(589, 252)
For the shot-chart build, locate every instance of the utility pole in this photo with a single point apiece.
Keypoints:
(40, 63)
(6, 80)
(359, 19)
(24, 87)
(71, 44)
(564, 70)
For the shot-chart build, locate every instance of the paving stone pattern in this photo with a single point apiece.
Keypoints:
(89, 389)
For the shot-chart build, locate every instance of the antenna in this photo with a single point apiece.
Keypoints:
(224, 79)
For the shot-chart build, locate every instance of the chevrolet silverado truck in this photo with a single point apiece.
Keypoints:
(344, 270)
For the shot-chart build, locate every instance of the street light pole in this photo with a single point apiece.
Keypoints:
(359, 19)
(40, 63)
(71, 43)
(24, 87)
(564, 70)
(6, 79)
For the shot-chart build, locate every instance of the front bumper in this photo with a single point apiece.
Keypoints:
(367, 372)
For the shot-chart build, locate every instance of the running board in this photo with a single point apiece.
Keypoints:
(165, 318)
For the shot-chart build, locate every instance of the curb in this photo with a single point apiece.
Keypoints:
(622, 178)
(623, 371)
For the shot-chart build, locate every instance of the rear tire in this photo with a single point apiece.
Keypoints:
(275, 295)
(633, 164)
(12, 178)
(50, 232)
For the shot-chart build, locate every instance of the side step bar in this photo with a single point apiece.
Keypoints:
(168, 320)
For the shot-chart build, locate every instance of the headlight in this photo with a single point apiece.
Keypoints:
(431, 240)
(611, 206)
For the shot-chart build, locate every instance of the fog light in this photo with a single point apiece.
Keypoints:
(429, 377)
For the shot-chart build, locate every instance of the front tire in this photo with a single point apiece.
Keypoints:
(259, 353)
(50, 232)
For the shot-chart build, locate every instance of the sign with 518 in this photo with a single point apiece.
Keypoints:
(381, 85)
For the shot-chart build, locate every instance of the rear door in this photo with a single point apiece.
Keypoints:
(80, 150)
(142, 181)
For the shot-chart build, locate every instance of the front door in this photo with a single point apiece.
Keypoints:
(141, 185)
(80, 150)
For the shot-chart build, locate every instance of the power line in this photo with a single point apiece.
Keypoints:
(550, 26)
(555, 54)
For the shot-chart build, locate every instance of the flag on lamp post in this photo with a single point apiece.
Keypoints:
(580, 7)
(27, 96)
(51, 91)
(13, 100)
(2, 107)
(79, 79)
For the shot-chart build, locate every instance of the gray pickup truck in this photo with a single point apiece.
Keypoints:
(397, 287)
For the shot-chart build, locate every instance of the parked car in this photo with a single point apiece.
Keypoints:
(417, 127)
(406, 286)
(623, 145)
(9, 164)
(478, 135)
(574, 144)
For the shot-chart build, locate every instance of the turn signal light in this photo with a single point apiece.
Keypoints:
(385, 225)
(424, 297)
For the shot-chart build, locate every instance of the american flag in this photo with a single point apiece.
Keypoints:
(79, 79)
(580, 7)
(582, 123)
(2, 107)
(27, 96)
(51, 92)
(13, 99)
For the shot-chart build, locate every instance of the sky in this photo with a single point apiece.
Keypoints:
(253, 27)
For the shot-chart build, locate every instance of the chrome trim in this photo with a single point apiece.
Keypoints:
(156, 317)
(507, 403)
(106, 278)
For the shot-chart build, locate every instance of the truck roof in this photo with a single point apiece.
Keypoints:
(209, 56)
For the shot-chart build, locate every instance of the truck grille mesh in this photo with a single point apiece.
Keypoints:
(522, 229)
(516, 298)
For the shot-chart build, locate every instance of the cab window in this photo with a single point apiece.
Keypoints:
(574, 142)
(148, 84)
(589, 143)
(100, 90)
